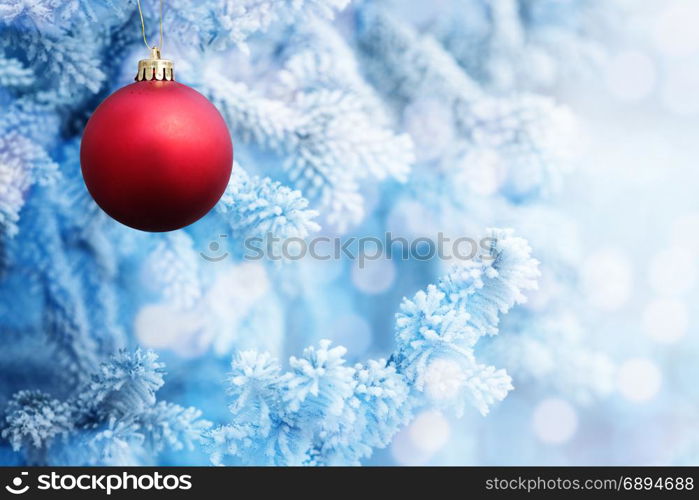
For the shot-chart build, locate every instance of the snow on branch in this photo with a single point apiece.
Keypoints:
(323, 412)
(114, 418)
(256, 207)
(329, 141)
(220, 23)
(529, 135)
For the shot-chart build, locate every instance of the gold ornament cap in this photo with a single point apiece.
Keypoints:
(155, 68)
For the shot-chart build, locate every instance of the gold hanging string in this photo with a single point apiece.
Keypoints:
(143, 26)
(154, 67)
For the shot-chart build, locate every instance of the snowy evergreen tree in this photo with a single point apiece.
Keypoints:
(345, 116)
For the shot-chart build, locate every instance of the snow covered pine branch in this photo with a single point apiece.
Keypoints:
(323, 412)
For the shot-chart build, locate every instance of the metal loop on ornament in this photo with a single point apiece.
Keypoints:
(155, 68)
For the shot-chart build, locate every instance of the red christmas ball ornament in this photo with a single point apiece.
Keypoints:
(156, 155)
